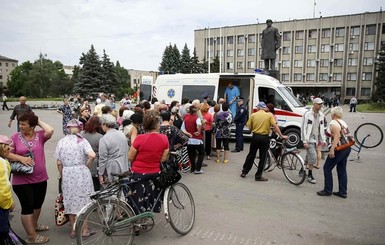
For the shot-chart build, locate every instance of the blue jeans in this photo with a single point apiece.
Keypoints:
(340, 159)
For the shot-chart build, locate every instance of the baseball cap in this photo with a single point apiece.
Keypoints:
(261, 105)
(318, 101)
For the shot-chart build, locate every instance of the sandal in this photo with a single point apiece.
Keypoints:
(73, 234)
(89, 233)
(41, 227)
(39, 239)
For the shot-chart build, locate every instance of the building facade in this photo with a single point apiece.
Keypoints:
(328, 55)
(6, 66)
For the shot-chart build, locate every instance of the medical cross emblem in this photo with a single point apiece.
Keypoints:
(171, 93)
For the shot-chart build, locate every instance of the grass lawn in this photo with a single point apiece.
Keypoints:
(36, 99)
(370, 108)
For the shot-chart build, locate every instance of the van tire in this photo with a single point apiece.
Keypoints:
(294, 135)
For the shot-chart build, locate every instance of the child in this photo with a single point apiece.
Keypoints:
(6, 201)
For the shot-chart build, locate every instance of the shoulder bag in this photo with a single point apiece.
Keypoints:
(18, 167)
(60, 217)
(346, 140)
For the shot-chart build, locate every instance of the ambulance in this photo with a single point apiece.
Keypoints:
(254, 87)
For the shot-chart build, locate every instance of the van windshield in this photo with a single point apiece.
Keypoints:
(145, 92)
(290, 96)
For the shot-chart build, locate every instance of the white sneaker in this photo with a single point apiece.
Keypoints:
(198, 172)
(311, 179)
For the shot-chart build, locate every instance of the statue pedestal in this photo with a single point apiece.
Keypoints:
(273, 73)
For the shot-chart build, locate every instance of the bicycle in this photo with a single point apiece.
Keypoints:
(367, 135)
(112, 217)
(287, 159)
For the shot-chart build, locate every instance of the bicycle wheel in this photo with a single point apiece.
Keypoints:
(181, 208)
(369, 135)
(267, 163)
(100, 220)
(293, 168)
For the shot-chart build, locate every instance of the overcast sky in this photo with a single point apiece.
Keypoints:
(136, 32)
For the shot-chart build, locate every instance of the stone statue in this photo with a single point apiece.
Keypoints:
(271, 41)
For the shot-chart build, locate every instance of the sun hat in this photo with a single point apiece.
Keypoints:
(5, 140)
(75, 123)
(318, 101)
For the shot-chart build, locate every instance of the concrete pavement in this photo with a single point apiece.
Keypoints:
(232, 210)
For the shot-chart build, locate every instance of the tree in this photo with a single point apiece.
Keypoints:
(90, 74)
(214, 66)
(109, 82)
(196, 67)
(379, 93)
(170, 60)
(19, 77)
(175, 59)
(123, 79)
(204, 65)
(185, 61)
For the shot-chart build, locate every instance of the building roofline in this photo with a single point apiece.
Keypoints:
(7, 59)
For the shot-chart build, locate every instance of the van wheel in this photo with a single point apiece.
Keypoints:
(294, 137)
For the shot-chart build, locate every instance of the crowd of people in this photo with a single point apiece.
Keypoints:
(97, 146)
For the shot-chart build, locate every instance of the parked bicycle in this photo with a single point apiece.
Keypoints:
(367, 135)
(114, 218)
(287, 159)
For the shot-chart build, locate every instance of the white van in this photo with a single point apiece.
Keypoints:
(146, 88)
(253, 87)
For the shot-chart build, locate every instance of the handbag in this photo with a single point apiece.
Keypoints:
(60, 217)
(18, 167)
(169, 174)
(346, 140)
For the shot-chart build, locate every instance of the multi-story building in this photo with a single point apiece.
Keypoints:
(6, 66)
(327, 55)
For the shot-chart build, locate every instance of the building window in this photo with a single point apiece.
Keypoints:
(230, 65)
(230, 53)
(353, 46)
(299, 35)
(352, 62)
(286, 50)
(285, 63)
(286, 36)
(219, 53)
(251, 51)
(370, 30)
(366, 76)
(311, 49)
(310, 77)
(323, 77)
(6, 64)
(241, 39)
(285, 77)
(368, 61)
(339, 47)
(1, 64)
(369, 46)
(365, 92)
(340, 32)
(325, 33)
(1, 76)
(338, 62)
(239, 65)
(337, 76)
(1, 70)
(230, 40)
(260, 51)
(324, 63)
(352, 77)
(298, 49)
(313, 34)
(325, 48)
(355, 31)
(13, 64)
(261, 63)
(252, 38)
(310, 63)
(350, 91)
(250, 65)
(298, 63)
(297, 76)
(240, 52)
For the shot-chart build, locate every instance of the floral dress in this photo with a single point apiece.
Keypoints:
(67, 115)
(76, 176)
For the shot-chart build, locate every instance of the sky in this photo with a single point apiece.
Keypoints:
(136, 32)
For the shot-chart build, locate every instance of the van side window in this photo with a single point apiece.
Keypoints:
(197, 92)
(269, 95)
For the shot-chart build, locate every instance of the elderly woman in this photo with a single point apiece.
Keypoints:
(222, 132)
(336, 158)
(74, 156)
(113, 150)
(146, 153)
(92, 134)
(66, 111)
(31, 188)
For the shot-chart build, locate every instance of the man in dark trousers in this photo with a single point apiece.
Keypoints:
(19, 110)
(240, 120)
(271, 41)
(260, 123)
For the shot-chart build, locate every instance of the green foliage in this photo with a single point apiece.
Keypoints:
(166, 66)
(214, 66)
(204, 65)
(109, 79)
(19, 77)
(379, 93)
(378, 106)
(185, 60)
(123, 80)
(196, 67)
